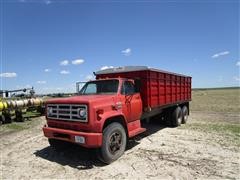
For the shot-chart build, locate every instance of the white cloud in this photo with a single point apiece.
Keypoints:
(8, 75)
(47, 2)
(78, 61)
(64, 63)
(64, 72)
(220, 54)
(47, 70)
(127, 52)
(238, 63)
(106, 67)
(89, 77)
(41, 82)
(236, 78)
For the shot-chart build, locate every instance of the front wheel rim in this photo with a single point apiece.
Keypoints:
(115, 143)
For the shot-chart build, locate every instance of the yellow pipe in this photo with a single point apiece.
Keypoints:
(5, 105)
(1, 106)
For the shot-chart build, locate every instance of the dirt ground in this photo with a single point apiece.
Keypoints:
(159, 153)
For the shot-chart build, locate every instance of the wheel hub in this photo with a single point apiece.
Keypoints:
(115, 142)
(179, 119)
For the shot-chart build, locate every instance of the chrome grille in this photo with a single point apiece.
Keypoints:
(68, 112)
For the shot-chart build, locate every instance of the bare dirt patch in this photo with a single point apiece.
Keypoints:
(160, 153)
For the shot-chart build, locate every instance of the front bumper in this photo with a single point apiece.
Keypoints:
(92, 140)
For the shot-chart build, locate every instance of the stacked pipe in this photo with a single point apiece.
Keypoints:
(15, 109)
(3, 105)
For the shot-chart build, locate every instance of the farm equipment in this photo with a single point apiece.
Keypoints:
(3, 106)
(109, 110)
(7, 93)
(15, 106)
(17, 109)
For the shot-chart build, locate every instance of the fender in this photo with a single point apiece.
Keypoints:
(111, 114)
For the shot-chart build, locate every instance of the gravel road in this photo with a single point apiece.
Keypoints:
(160, 153)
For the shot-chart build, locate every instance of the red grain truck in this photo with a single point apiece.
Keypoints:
(108, 111)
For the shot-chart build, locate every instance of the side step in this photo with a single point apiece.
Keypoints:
(134, 128)
(136, 132)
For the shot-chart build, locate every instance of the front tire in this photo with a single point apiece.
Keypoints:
(114, 143)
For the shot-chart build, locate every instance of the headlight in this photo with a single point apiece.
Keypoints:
(49, 111)
(82, 113)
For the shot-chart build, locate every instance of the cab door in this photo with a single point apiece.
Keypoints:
(132, 101)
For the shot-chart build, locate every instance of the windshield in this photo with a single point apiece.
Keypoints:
(100, 87)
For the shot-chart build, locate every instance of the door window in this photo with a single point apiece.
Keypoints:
(128, 88)
(91, 89)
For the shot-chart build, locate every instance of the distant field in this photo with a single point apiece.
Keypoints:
(216, 100)
(217, 112)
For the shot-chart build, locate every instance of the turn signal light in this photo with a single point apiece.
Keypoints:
(99, 112)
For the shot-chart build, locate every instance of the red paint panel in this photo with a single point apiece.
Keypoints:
(92, 139)
(158, 88)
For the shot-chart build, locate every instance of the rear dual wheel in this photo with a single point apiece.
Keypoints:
(184, 114)
(179, 116)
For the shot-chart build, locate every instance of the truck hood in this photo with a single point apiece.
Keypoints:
(79, 99)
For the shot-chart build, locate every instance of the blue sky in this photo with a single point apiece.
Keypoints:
(51, 44)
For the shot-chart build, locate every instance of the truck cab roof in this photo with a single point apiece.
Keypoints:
(124, 69)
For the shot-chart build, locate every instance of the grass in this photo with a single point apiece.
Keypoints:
(19, 126)
(16, 126)
(221, 128)
(31, 114)
(216, 100)
(220, 109)
(229, 133)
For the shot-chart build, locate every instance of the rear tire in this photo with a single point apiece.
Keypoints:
(168, 117)
(114, 143)
(2, 119)
(177, 117)
(58, 145)
(19, 116)
(8, 118)
(184, 114)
